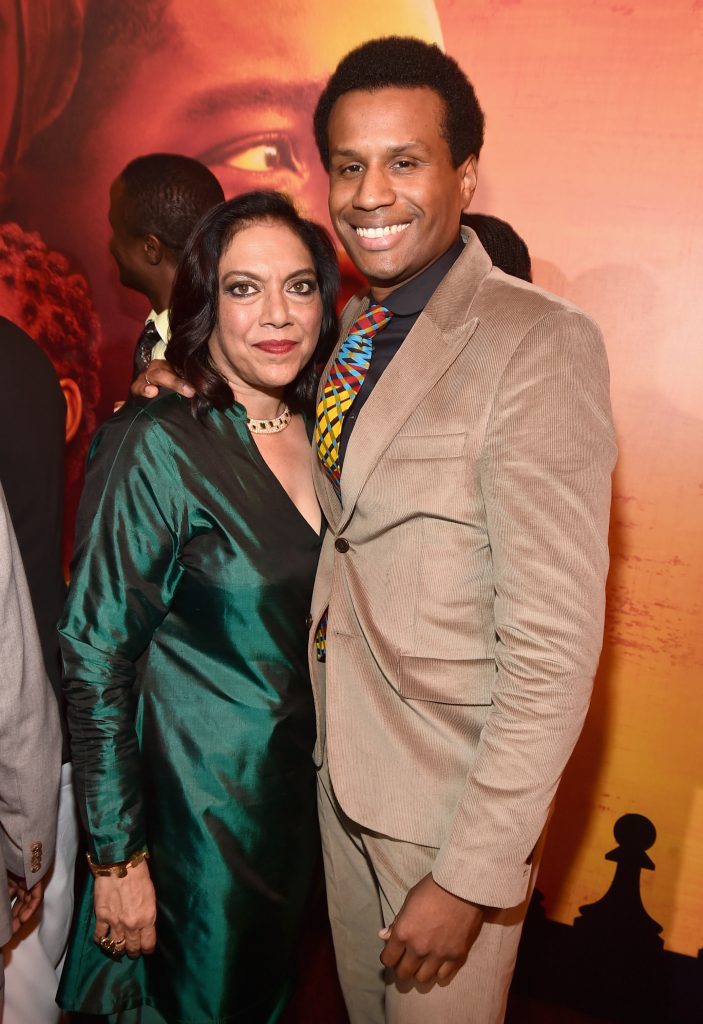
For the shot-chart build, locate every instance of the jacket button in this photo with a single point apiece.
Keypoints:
(308, 621)
(342, 545)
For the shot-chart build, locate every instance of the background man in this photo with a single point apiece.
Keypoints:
(154, 205)
(459, 598)
(31, 471)
(508, 251)
(30, 748)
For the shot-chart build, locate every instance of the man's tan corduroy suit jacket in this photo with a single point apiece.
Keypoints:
(464, 573)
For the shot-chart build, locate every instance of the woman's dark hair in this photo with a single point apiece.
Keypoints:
(196, 288)
(406, 63)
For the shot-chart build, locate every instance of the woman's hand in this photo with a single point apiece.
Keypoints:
(125, 910)
(159, 374)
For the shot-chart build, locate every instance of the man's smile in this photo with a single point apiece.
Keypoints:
(388, 229)
(378, 239)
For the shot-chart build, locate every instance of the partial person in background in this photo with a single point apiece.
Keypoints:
(154, 205)
(30, 754)
(501, 241)
(31, 471)
(40, 294)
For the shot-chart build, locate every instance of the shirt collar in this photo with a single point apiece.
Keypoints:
(410, 298)
(161, 323)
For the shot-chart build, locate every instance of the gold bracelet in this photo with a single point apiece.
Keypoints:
(119, 870)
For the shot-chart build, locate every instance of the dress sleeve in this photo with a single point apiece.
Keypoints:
(131, 524)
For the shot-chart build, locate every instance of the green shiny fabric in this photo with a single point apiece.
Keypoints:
(190, 710)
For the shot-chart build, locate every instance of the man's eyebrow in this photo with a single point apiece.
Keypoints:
(402, 147)
(259, 93)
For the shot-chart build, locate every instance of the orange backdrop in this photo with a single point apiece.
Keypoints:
(593, 152)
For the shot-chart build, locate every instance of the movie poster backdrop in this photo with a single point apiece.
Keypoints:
(593, 153)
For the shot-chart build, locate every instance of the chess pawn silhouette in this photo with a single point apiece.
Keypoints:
(619, 944)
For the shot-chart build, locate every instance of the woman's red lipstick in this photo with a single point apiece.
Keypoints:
(277, 347)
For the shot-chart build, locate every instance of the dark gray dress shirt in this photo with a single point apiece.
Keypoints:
(406, 303)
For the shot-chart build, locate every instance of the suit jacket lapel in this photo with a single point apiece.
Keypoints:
(439, 335)
(423, 357)
(326, 495)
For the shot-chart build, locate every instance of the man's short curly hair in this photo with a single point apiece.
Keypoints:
(406, 63)
(166, 194)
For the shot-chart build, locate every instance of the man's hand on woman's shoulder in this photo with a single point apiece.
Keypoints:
(159, 374)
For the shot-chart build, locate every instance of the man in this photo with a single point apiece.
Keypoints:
(31, 470)
(30, 747)
(233, 87)
(459, 598)
(154, 205)
(463, 572)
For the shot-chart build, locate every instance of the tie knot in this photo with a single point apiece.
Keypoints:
(378, 312)
(371, 322)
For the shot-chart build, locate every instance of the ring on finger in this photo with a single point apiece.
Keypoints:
(146, 378)
(113, 947)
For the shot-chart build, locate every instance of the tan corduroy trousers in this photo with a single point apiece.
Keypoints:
(368, 876)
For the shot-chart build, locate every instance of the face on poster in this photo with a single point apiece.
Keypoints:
(233, 87)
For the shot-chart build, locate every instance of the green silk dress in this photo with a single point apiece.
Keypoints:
(191, 713)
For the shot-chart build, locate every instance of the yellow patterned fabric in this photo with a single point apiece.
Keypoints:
(341, 387)
(343, 384)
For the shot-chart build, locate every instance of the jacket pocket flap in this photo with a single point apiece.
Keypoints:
(446, 681)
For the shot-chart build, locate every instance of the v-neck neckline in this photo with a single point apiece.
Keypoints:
(240, 419)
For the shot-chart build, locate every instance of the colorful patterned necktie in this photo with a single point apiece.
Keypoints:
(343, 384)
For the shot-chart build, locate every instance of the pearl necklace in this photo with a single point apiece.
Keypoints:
(274, 426)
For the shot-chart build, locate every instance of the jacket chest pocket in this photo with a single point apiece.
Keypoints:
(427, 446)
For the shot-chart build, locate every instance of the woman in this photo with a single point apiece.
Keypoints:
(185, 635)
